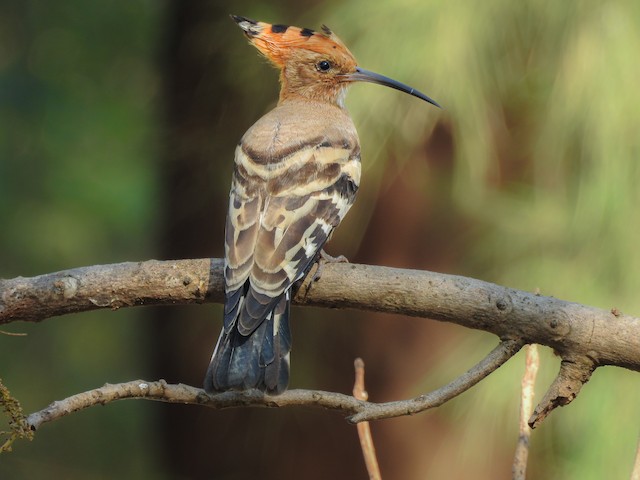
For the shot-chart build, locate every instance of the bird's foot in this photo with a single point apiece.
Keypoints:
(323, 259)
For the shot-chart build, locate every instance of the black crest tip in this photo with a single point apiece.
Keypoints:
(239, 19)
(246, 24)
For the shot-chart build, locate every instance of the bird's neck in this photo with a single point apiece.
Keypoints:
(295, 87)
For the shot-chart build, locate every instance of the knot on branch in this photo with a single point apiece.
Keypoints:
(67, 286)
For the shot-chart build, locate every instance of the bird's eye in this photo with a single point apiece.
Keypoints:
(324, 66)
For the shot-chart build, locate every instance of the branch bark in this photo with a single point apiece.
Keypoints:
(356, 409)
(584, 337)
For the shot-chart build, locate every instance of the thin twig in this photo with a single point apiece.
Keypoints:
(498, 356)
(12, 334)
(364, 431)
(357, 410)
(532, 363)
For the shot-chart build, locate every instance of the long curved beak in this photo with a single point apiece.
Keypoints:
(362, 75)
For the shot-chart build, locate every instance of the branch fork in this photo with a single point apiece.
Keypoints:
(584, 337)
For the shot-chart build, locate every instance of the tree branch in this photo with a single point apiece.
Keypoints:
(584, 337)
(358, 410)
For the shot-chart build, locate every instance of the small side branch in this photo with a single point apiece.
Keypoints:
(573, 374)
(498, 356)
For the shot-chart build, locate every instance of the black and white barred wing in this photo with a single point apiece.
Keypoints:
(280, 216)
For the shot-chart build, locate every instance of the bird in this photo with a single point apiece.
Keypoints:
(296, 174)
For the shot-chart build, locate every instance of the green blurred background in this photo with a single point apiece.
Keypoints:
(118, 122)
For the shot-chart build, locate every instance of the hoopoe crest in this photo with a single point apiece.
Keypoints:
(296, 174)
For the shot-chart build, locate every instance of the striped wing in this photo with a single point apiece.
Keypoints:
(282, 209)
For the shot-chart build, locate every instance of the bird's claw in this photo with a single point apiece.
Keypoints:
(322, 260)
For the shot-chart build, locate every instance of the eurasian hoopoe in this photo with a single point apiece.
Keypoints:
(296, 175)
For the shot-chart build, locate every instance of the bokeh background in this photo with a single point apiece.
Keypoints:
(118, 122)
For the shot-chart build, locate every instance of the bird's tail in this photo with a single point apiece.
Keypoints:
(257, 360)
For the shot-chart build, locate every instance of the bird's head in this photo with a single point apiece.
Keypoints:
(314, 65)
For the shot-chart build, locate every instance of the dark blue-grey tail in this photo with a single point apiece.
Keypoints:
(252, 358)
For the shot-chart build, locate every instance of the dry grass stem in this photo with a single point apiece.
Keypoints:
(364, 430)
(532, 363)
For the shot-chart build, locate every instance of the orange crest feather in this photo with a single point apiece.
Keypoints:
(277, 42)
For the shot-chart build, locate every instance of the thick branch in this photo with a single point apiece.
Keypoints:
(605, 338)
(110, 286)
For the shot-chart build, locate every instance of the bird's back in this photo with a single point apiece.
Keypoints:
(297, 170)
